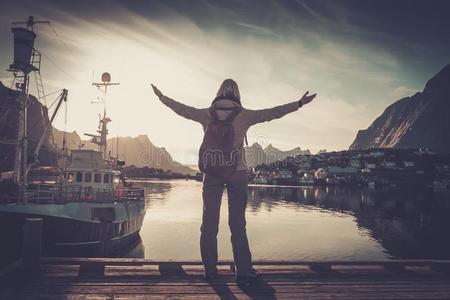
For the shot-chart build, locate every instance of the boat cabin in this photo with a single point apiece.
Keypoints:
(89, 169)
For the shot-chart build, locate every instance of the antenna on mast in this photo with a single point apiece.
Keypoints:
(103, 86)
(30, 22)
(101, 139)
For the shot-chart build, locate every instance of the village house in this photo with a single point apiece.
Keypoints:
(321, 173)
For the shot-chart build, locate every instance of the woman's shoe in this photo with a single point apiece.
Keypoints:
(249, 278)
(209, 276)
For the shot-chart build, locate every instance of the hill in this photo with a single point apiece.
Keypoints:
(421, 120)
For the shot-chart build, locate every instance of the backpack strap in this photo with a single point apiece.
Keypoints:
(234, 112)
(228, 97)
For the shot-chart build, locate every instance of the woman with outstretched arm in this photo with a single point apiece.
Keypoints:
(228, 121)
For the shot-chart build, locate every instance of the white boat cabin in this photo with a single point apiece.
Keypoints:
(89, 169)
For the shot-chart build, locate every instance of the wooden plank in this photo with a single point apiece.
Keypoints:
(293, 277)
(76, 278)
(189, 288)
(140, 270)
(223, 280)
(91, 269)
(320, 267)
(104, 286)
(301, 291)
(143, 261)
(242, 296)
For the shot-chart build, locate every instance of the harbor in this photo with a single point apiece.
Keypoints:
(224, 150)
(383, 167)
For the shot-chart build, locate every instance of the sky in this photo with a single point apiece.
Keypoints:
(358, 56)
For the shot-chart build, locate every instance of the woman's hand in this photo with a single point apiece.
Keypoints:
(157, 92)
(307, 98)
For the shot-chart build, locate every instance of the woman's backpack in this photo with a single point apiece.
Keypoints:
(217, 156)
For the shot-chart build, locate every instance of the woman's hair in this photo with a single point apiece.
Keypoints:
(229, 88)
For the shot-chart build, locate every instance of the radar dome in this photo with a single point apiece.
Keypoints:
(106, 77)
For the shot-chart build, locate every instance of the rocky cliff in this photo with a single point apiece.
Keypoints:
(140, 151)
(9, 120)
(421, 120)
(73, 140)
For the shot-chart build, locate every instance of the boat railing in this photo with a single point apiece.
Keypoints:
(120, 195)
(53, 194)
(60, 194)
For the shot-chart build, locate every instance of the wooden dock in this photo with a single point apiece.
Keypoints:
(124, 278)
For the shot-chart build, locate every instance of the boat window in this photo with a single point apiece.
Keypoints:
(106, 178)
(87, 177)
(79, 177)
(69, 177)
(97, 177)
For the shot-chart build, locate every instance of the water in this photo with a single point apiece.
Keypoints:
(303, 223)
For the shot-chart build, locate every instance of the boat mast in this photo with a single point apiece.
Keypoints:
(26, 60)
(103, 125)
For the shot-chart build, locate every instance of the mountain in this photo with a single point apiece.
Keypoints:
(273, 154)
(73, 140)
(9, 120)
(421, 120)
(256, 155)
(138, 151)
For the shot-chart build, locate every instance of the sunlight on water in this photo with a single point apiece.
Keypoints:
(277, 227)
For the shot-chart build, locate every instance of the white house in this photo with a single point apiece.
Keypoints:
(408, 164)
(371, 165)
(321, 173)
(389, 164)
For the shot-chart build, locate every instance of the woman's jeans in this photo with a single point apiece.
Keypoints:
(237, 203)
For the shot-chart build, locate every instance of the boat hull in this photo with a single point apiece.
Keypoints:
(104, 230)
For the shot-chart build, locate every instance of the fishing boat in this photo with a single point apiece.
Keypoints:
(90, 210)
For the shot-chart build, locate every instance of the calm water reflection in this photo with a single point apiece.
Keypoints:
(303, 223)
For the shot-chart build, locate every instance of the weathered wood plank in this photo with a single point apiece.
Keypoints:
(242, 294)
(144, 261)
(92, 278)
(318, 296)
(190, 288)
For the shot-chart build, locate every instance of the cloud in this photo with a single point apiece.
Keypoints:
(259, 30)
(187, 60)
(401, 92)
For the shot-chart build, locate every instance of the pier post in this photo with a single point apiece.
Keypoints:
(32, 243)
